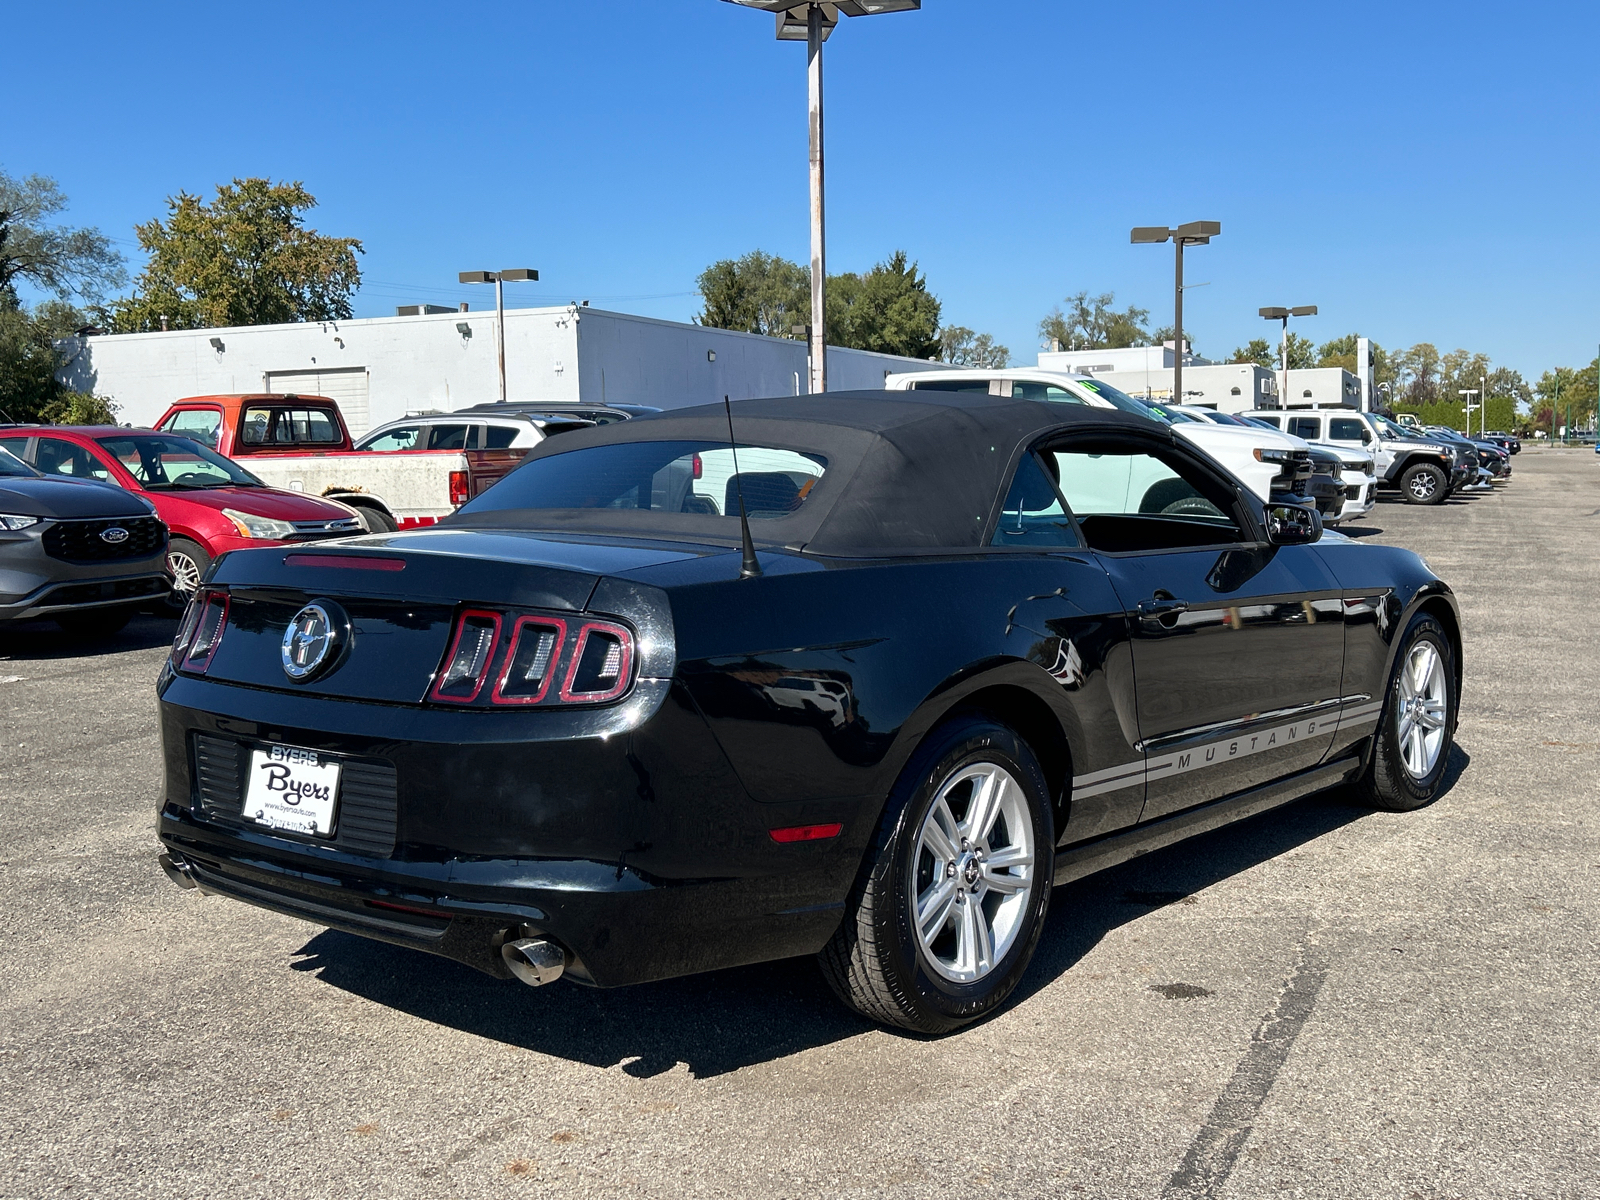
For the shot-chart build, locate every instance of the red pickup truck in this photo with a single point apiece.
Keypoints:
(300, 443)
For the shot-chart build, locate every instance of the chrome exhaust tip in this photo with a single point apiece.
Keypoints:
(534, 960)
(177, 870)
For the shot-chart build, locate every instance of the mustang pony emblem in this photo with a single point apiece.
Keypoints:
(310, 642)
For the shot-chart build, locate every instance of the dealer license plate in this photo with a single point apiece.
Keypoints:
(292, 789)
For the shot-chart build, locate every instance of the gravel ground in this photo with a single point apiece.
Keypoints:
(1325, 1001)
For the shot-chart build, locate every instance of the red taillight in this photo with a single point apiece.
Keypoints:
(466, 666)
(806, 833)
(199, 635)
(601, 666)
(458, 488)
(698, 467)
(531, 661)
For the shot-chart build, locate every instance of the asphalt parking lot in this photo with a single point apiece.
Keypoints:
(1326, 1001)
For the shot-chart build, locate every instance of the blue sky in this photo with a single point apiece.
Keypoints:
(1422, 172)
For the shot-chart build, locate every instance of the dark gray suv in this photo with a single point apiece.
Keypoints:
(80, 553)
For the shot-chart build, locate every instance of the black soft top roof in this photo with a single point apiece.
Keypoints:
(918, 470)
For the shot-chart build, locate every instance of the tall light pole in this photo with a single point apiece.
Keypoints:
(1468, 394)
(812, 23)
(1283, 314)
(1195, 233)
(498, 278)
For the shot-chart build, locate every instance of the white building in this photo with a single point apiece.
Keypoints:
(1322, 387)
(380, 368)
(1129, 358)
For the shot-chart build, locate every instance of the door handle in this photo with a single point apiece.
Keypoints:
(1162, 609)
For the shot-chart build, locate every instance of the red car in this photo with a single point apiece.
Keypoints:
(211, 505)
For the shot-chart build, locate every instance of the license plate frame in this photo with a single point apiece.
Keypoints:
(292, 789)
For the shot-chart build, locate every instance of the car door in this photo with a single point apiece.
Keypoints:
(1238, 646)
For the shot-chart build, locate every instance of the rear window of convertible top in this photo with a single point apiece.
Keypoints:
(671, 477)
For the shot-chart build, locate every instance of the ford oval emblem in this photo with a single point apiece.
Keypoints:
(312, 641)
(114, 536)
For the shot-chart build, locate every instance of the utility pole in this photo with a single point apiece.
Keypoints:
(812, 21)
(819, 266)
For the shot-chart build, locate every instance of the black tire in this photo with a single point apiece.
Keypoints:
(188, 561)
(1166, 495)
(876, 962)
(1388, 782)
(375, 520)
(1424, 483)
(94, 622)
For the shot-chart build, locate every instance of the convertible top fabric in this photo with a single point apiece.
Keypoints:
(907, 471)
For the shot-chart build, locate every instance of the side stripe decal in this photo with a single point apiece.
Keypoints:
(1204, 754)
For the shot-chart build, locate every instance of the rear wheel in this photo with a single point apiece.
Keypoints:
(188, 562)
(94, 622)
(1424, 484)
(1418, 722)
(944, 921)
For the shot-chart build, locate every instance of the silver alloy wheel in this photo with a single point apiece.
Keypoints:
(1424, 709)
(185, 572)
(973, 872)
(1424, 484)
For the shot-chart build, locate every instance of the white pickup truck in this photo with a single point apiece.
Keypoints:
(301, 443)
(1270, 465)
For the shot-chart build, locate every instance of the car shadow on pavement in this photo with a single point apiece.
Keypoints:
(40, 641)
(725, 1020)
(1084, 912)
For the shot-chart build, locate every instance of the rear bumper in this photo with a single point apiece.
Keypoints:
(640, 854)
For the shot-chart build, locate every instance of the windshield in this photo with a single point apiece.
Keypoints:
(1123, 401)
(12, 466)
(163, 462)
(1389, 429)
(1173, 416)
(669, 477)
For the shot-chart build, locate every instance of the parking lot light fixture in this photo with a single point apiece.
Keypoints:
(1283, 314)
(1195, 233)
(499, 279)
(1467, 394)
(812, 23)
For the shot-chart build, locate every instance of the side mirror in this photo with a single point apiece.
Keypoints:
(1292, 525)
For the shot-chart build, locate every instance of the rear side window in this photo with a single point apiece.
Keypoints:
(980, 386)
(500, 437)
(1033, 514)
(1022, 389)
(199, 423)
(1343, 429)
(448, 437)
(57, 456)
(674, 477)
(1309, 428)
(1267, 420)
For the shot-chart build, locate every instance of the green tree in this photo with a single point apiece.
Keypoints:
(1091, 323)
(756, 293)
(1567, 391)
(888, 309)
(1416, 375)
(1341, 352)
(55, 259)
(1259, 351)
(960, 347)
(30, 359)
(244, 259)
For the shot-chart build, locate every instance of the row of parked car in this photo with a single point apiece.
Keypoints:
(98, 520)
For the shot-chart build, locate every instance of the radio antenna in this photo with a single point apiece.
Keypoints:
(749, 568)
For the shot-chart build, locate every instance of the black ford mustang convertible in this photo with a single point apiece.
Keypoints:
(972, 647)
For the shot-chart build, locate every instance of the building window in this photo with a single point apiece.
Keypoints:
(1306, 393)
(1233, 392)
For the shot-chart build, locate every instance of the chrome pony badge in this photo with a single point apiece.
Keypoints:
(312, 641)
(114, 536)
